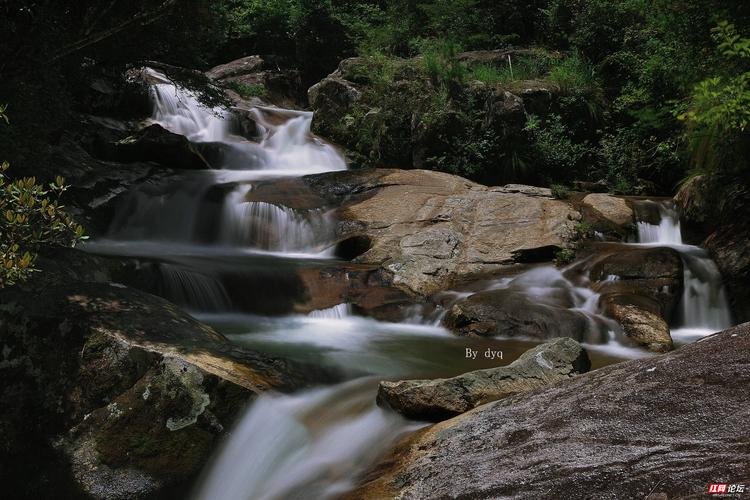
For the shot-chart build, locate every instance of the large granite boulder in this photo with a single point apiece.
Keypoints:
(115, 392)
(441, 399)
(659, 427)
(430, 229)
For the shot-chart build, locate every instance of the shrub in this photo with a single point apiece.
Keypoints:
(31, 216)
(440, 60)
(560, 192)
(557, 155)
(247, 90)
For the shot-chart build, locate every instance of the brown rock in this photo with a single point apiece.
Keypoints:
(429, 229)
(440, 399)
(613, 209)
(510, 313)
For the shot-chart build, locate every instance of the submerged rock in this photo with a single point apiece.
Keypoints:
(660, 427)
(133, 393)
(440, 399)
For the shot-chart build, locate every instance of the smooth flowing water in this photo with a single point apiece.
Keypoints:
(234, 263)
(704, 308)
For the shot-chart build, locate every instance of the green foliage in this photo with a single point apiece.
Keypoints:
(718, 111)
(564, 256)
(440, 60)
(246, 90)
(573, 73)
(560, 192)
(30, 216)
(553, 146)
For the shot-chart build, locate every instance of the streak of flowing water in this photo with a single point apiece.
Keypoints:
(309, 445)
(704, 308)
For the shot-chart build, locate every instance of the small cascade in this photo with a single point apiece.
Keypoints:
(667, 232)
(339, 311)
(291, 147)
(309, 445)
(179, 111)
(266, 226)
(704, 308)
(193, 290)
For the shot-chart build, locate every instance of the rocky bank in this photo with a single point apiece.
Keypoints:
(661, 427)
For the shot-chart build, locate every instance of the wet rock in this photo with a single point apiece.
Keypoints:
(660, 427)
(132, 393)
(639, 323)
(610, 208)
(511, 313)
(448, 228)
(440, 399)
(640, 288)
(653, 273)
(157, 144)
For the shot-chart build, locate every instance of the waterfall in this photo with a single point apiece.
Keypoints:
(308, 445)
(201, 210)
(704, 308)
(667, 232)
(193, 290)
(267, 226)
(339, 311)
(178, 110)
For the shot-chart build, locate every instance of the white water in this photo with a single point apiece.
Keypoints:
(193, 290)
(309, 445)
(182, 213)
(339, 311)
(267, 226)
(704, 308)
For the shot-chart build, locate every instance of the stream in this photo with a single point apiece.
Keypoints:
(228, 261)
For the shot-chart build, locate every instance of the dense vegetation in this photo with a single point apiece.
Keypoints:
(650, 92)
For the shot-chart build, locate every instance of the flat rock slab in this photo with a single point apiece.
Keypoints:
(661, 427)
(430, 229)
(439, 399)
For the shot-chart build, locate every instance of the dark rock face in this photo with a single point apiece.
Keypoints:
(730, 248)
(281, 85)
(510, 313)
(118, 387)
(720, 222)
(156, 144)
(440, 399)
(661, 427)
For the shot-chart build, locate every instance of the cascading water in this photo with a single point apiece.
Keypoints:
(309, 445)
(704, 308)
(217, 246)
